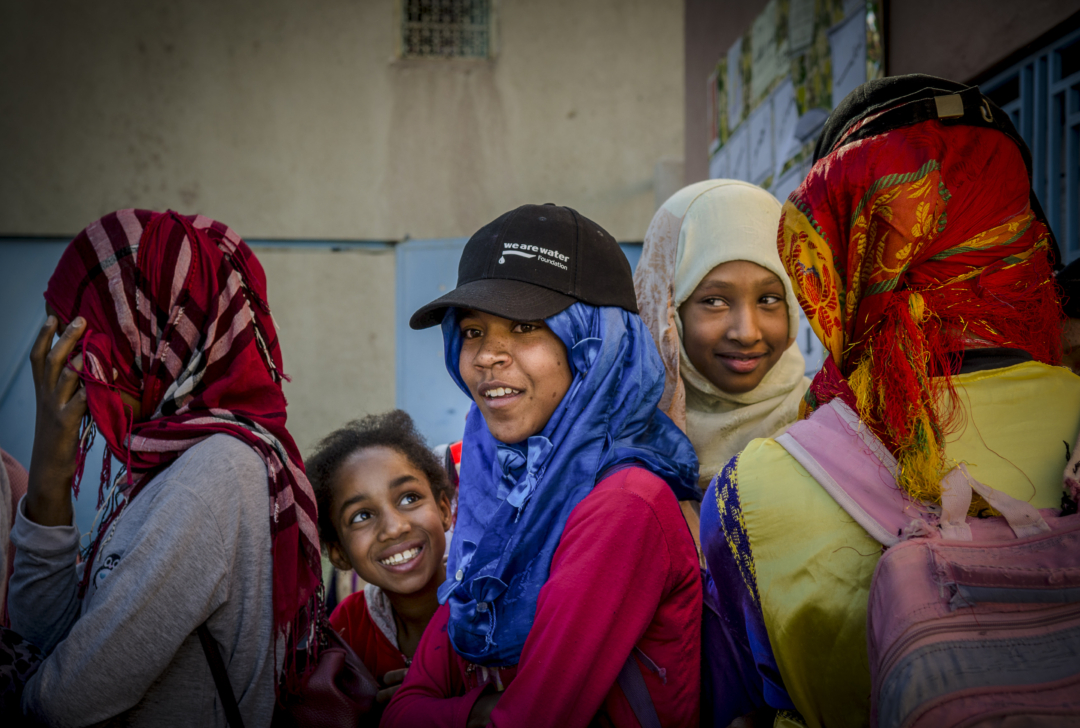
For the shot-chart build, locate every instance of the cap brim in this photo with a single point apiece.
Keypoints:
(515, 300)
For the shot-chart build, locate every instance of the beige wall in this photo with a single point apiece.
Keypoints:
(292, 120)
(335, 316)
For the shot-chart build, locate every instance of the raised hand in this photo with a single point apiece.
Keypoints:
(61, 404)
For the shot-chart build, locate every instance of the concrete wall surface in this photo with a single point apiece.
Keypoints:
(335, 317)
(295, 121)
(960, 39)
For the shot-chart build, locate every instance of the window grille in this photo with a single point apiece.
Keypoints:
(445, 28)
(1042, 95)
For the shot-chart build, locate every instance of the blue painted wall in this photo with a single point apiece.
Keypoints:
(25, 268)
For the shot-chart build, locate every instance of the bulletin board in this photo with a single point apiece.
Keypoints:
(772, 91)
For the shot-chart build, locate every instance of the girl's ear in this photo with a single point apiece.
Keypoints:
(445, 511)
(338, 558)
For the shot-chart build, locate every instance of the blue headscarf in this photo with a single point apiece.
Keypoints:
(515, 499)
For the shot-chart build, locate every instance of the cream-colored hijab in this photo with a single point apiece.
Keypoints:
(699, 228)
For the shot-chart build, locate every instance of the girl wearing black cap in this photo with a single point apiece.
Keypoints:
(573, 589)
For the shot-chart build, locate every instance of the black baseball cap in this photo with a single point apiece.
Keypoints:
(532, 263)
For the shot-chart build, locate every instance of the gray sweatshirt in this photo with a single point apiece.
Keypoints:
(192, 547)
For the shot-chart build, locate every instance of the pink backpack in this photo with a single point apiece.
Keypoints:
(969, 623)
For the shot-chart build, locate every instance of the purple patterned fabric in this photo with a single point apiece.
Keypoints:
(739, 671)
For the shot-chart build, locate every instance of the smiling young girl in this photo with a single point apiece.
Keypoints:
(723, 313)
(384, 509)
(573, 590)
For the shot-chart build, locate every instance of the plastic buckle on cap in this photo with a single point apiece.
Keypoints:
(949, 107)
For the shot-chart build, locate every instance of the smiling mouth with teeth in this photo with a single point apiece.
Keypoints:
(400, 558)
(500, 392)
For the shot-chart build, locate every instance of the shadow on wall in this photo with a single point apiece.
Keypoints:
(450, 175)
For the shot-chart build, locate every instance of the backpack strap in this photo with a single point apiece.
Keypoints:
(221, 678)
(633, 686)
(855, 468)
(858, 471)
(957, 488)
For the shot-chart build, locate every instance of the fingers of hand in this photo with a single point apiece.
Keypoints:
(67, 384)
(480, 714)
(394, 677)
(58, 355)
(76, 406)
(383, 696)
(40, 349)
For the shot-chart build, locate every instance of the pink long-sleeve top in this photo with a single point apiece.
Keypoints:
(625, 574)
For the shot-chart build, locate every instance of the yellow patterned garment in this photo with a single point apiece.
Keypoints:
(812, 564)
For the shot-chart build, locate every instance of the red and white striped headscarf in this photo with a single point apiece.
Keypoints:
(176, 316)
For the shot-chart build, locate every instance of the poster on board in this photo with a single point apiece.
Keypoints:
(772, 91)
(847, 45)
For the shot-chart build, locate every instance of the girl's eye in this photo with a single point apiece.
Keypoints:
(360, 517)
(770, 298)
(409, 498)
(470, 332)
(714, 302)
(524, 328)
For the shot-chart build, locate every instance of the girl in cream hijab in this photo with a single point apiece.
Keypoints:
(712, 290)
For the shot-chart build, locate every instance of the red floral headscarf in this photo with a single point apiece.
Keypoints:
(905, 248)
(176, 316)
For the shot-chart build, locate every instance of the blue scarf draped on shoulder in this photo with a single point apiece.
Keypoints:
(514, 500)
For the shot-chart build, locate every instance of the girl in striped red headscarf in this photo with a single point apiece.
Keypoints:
(168, 346)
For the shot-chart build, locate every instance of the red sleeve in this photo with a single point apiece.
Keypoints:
(609, 575)
(344, 615)
(431, 694)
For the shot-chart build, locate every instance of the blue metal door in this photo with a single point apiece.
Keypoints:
(427, 269)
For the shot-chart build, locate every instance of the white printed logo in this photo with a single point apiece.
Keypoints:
(515, 252)
(544, 255)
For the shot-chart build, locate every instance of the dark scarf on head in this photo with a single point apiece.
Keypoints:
(176, 316)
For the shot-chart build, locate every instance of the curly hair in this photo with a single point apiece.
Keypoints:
(395, 430)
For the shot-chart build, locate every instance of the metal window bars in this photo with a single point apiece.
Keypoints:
(1042, 95)
(445, 28)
